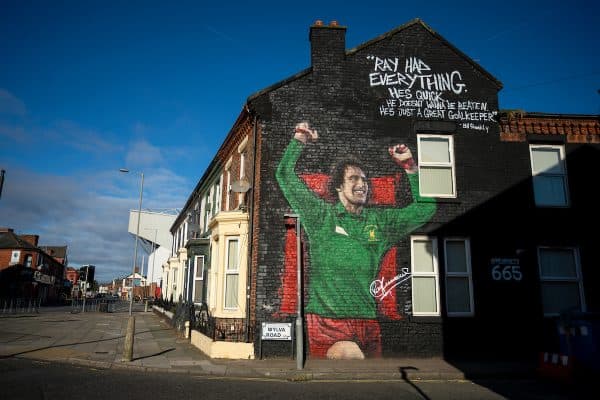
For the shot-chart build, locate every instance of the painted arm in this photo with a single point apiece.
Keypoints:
(300, 198)
(402, 221)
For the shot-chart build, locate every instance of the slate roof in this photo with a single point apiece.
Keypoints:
(8, 240)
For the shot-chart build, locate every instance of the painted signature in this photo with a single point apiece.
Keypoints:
(380, 288)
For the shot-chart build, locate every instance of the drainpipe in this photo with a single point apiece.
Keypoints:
(250, 231)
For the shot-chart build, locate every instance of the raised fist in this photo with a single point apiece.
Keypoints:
(304, 133)
(402, 156)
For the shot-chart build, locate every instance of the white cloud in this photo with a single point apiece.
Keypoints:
(10, 104)
(141, 153)
(88, 215)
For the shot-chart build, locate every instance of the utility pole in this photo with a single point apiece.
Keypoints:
(1, 181)
(87, 271)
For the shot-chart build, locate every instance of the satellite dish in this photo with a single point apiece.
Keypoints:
(241, 186)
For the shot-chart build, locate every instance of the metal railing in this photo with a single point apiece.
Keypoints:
(20, 305)
(99, 305)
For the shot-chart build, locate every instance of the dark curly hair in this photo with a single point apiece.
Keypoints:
(337, 173)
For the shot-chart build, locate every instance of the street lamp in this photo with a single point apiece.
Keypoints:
(128, 347)
(137, 234)
(299, 327)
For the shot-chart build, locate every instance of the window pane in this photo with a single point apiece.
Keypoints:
(424, 295)
(232, 255)
(549, 190)
(456, 258)
(199, 267)
(436, 180)
(546, 160)
(557, 263)
(435, 149)
(458, 295)
(560, 296)
(423, 253)
(231, 291)
(198, 291)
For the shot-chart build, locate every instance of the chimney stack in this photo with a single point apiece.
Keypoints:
(327, 46)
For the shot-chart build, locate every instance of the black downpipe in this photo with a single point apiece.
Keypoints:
(250, 232)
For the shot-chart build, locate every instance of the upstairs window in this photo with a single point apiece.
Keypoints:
(549, 176)
(560, 278)
(436, 166)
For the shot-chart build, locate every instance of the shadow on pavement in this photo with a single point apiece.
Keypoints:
(154, 355)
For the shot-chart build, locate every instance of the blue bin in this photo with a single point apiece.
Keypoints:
(579, 338)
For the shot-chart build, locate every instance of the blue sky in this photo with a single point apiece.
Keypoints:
(88, 87)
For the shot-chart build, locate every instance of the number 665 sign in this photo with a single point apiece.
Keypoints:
(506, 269)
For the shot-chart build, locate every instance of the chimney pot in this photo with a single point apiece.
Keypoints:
(318, 23)
(333, 23)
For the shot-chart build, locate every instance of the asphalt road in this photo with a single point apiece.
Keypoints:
(29, 379)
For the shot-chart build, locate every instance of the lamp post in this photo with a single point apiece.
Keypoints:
(299, 322)
(128, 348)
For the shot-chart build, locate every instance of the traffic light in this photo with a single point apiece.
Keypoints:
(87, 273)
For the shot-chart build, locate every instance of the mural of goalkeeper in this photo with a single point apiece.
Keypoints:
(347, 242)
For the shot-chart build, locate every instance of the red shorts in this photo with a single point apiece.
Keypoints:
(324, 332)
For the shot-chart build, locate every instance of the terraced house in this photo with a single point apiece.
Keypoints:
(431, 221)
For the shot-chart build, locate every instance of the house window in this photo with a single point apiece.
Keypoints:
(425, 288)
(217, 198)
(436, 166)
(232, 273)
(549, 175)
(15, 257)
(206, 212)
(560, 279)
(228, 190)
(28, 259)
(198, 278)
(459, 282)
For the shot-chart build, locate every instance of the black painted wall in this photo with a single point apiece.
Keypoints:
(494, 203)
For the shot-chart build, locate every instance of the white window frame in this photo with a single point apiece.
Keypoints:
(15, 257)
(216, 198)
(577, 279)
(468, 274)
(198, 280)
(207, 211)
(228, 187)
(231, 271)
(537, 174)
(451, 164)
(434, 274)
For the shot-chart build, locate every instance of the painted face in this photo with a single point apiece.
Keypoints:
(354, 190)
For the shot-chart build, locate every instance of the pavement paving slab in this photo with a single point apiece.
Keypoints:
(97, 339)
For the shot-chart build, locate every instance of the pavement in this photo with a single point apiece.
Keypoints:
(96, 339)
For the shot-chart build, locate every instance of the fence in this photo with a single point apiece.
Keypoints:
(99, 305)
(222, 329)
(20, 306)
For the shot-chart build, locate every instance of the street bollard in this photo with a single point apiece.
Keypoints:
(146, 306)
(128, 346)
